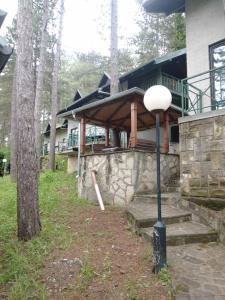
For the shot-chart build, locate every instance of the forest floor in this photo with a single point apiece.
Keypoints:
(82, 253)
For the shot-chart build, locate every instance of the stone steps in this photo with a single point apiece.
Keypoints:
(181, 229)
(184, 233)
(152, 198)
(142, 215)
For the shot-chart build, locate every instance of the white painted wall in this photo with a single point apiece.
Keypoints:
(205, 25)
(71, 124)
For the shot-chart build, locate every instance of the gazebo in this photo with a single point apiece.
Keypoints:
(124, 111)
(122, 172)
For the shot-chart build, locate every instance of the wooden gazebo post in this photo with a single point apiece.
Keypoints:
(133, 134)
(82, 135)
(166, 132)
(107, 136)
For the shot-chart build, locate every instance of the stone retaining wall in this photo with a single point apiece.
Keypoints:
(122, 174)
(202, 158)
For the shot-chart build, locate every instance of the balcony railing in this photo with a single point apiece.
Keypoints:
(204, 92)
(172, 83)
(94, 135)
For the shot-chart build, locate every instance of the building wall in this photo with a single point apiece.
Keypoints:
(72, 164)
(205, 25)
(121, 174)
(71, 124)
(202, 158)
(61, 134)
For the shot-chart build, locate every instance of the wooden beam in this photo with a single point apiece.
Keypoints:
(133, 135)
(148, 112)
(116, 111)
(166, 132)
(172, 117)
(123, 119)
(142, 122)
(82, 135)
(94, 113)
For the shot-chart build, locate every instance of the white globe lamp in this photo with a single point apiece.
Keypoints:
(157, 97)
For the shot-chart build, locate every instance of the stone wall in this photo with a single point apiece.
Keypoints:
(202, 158)
(122, 174)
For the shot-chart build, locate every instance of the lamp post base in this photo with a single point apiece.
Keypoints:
(159, 246)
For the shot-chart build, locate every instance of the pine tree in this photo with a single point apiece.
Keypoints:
(55, 102)
(40, 77)
(28, 219)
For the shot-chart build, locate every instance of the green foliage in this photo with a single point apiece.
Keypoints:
(21, 262)
(166, 279)
(84, 71)
(87, 274)
(158, 34)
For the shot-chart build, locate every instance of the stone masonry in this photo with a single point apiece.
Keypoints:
(202, 158)
(120, 175)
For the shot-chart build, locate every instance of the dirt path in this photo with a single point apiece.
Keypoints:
(105, 262)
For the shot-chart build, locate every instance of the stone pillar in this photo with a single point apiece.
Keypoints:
(133, 134)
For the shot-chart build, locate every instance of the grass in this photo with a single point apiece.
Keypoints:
(21, 262)
(166, 279)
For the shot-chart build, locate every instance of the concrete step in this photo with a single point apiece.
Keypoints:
(184, 233)
(166, 198)
(173, 189)
(141, 214)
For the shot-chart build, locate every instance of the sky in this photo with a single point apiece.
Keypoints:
(86, 25)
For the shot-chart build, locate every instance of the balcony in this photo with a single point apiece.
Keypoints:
(203, 92)
(94, 135)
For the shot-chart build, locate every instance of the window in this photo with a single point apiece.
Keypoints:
(217, 60)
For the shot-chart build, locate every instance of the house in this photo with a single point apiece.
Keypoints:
(202, 133)
(126, 165)
(67, 138)
(5, 50)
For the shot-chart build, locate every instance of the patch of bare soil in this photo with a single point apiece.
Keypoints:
(106, 262)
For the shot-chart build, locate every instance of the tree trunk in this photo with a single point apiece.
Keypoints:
(28, 219)
(114, 48)
(13, 131)
(40, 79)
(55, 102)
(114, 61)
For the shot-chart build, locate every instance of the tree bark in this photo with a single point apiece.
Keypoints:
(55, 102)
(13, 131)
(114, 88)
(27, 168)
(40, 78)
(114, 48)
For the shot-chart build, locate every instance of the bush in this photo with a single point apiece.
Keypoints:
(4, 153)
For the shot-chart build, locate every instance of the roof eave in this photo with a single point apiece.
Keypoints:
(2, 16)
(161, 6)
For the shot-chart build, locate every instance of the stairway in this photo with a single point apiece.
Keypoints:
(181, 229)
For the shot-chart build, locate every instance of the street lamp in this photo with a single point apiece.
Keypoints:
(157, 99)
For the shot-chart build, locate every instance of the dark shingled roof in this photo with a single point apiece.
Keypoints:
(5, 50)
(77, 96)
(2, 17)
(164, 6)
(104, 80)
(98, 95)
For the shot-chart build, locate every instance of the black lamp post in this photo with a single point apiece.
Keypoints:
(157, 99)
